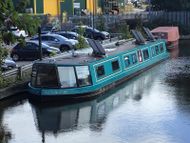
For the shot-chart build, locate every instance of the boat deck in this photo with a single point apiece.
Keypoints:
(86, 58)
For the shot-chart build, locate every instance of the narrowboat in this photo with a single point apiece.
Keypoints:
(170, 34)
(87, 75)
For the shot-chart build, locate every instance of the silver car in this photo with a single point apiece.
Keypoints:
(56, 40)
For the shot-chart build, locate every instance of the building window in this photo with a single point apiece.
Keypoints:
(100, 71)
(83, 76)
(127, 61)
(146, 54)
(115, 65)
(134, 58)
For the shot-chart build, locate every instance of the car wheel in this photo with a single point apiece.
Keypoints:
(15, 57)
(64, 48)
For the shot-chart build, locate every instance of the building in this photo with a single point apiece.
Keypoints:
(57, 7)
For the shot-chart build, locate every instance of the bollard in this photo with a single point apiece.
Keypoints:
(19, 73)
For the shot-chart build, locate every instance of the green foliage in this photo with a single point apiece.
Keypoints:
(20, 7)
(124, 30)
(101, 23)
(3, 54)
(81, 41)
(30, 23)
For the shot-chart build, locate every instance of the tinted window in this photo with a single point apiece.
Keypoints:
(153, 51)
(83, 75)
(31, 46)
(157, 50)
(127, 61)
(33, 75)
(67, 77)
(146, 54)
(115, 65)
(161, 48)
(100, 71)
(134, 58)
(43, 76)
(44, 38)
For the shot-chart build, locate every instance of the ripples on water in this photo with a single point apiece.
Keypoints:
(151, 108)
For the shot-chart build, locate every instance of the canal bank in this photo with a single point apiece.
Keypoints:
(13, 90)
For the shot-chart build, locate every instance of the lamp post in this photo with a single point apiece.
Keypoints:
(93, 12)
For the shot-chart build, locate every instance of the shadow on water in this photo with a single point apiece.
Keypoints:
(91, 114)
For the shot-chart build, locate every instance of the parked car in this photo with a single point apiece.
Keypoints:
(8, 64)
(92, 33)
(56, 40)
(48, 29)
(18, 33)
(71, 35)
(30, 50)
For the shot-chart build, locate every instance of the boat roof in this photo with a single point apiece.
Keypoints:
(87, 58)
(172, 31)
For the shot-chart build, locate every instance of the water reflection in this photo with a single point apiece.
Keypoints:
(91, 114)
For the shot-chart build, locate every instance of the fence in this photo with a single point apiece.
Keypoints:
(179, 18)
(21, 73)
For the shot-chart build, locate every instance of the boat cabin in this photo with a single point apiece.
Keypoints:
(170, 34)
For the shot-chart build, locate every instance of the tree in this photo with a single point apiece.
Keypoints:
(9, 17)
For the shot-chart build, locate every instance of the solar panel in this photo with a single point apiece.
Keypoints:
(149, 34)
(139, 38)
(100, 47)
(98, 50)
(135, 36)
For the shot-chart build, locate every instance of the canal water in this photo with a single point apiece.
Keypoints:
(153, 107)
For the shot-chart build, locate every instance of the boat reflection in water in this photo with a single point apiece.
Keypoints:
(91, 114)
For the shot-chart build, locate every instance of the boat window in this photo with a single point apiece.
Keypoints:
(47, 77)
(157, 50)
(127, 61)
(83, 75)
(140, 55)
(134, 58)
(67, 77)
(33, 75)
(100, 71)
(161, 48)
(153, 51)
(115, 65)
(146, 54)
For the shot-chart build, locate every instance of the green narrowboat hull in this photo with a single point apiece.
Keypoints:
(111, 79)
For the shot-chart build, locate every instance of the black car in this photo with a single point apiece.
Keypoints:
(92, 33)
(68, 34)
(30, 51)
